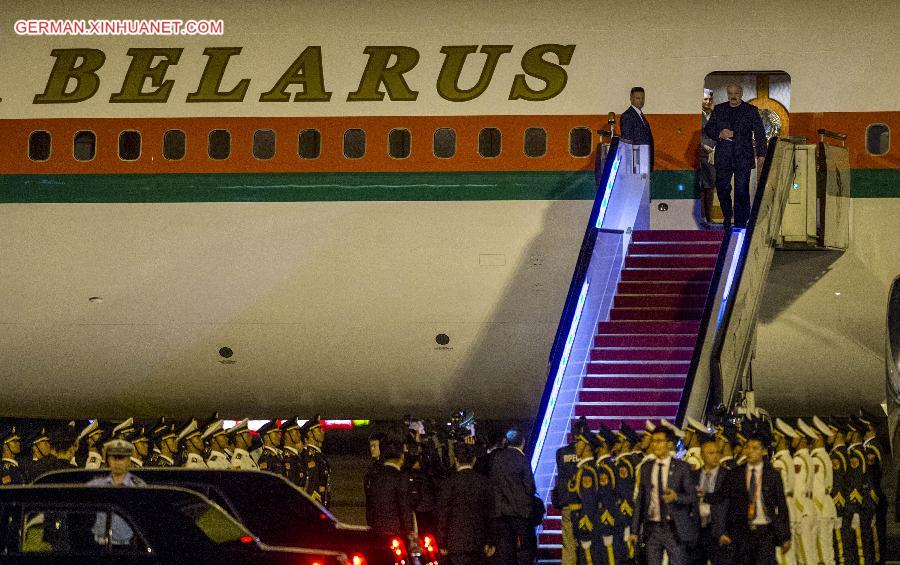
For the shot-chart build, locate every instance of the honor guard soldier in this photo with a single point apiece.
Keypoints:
(583, 485)
(315, 466)
(563, 496)
(692, 433)
(874, 464)
(165, 445)
(726, 437)
(217, 438)
(62, 448)
(192, 446)
(124, 430)
(821, 493)
(140, 439)
(838, 455)
(38, 442)
(625, 465)
(89, 438)
(270, 458)
(292, 443)
(11, 474)
(861, 492)
(615, 505)
(241, 440)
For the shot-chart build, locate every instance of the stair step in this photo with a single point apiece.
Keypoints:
(654, 410)
(648, 328)
(697, 248)
(661, 314)
(659, 301)
(661, 340)
(633, 381)
(641, 354)
(654, 236)
(625, 395)
(613, 422)
(663, 287)
(670, 262)
(547, 537)
(643, 368)
(664, 275)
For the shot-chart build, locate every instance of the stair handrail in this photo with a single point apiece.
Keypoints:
(751, 234)
(598, 210)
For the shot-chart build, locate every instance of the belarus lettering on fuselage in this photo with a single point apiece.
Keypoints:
(75, 76)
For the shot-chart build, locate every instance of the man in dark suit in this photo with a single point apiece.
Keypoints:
(513, 486)
(740, 145)
(665, 513)
(633, 124)
(387, 494)
(757, 515)
(709, 480)
(465, 512)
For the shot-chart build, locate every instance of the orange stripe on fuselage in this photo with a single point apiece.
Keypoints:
(676, 137)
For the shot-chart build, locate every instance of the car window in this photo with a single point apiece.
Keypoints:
(212, 521)
(81, 531)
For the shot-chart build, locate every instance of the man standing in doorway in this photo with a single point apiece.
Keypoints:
(706, 171)
(740, 146)
(633, 123)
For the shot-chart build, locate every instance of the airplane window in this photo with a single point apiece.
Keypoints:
(85, 145)
(309, 144)
(264, 144)
(219, 144)
(129, 145)
(354, 144)
(878, 139)
(399, 141)
(489, 142)
(444, 143)
(174, 145)
(535, 142)
(580, 142)
(39, 145)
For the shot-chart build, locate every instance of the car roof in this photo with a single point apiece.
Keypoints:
(97, 492)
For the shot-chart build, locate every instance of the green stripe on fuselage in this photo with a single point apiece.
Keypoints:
(298, 187)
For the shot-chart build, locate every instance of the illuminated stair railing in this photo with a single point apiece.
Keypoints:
(621, 205)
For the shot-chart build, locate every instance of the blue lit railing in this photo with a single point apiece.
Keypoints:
(568, 324)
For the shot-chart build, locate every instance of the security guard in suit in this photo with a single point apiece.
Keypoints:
(270, 457)
(10, 473)
(315, 467)
(563, 496)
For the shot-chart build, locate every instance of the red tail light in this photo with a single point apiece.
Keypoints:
(429, 545)
(357, 559)
(398, 551)
(246, 539)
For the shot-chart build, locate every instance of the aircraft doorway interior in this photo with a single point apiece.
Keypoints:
(770, 91)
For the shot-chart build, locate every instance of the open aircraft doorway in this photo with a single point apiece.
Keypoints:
(770, 91)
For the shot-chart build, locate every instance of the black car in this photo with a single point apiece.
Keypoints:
(69, 524)
(277, 513)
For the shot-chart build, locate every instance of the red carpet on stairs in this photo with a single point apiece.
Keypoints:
(642, 354)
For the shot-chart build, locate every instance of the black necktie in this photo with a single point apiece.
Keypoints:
(751, 510)
(659, 490)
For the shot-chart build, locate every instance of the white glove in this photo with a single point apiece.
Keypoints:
(627, 532)
(586, 545)
(837, 523)
(607, 540)
(854, 523)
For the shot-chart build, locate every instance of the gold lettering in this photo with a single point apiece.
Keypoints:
(211, 80)
(378, 72)
(553, 75)
(455, 58)
(79, 65)
(141, 69)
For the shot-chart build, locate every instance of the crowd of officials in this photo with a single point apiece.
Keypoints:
(747, 492)
(289, 449)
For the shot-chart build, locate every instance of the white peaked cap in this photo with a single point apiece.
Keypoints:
(189, 429)
(807, 429)
(123, 426)
(697, 425)
(212, 429)
(88, 430)
(822, 427)
(649, 426)
(786, 428)
(667, 424)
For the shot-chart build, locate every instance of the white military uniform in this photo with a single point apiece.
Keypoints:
(218, 460)
(94, 461)
(804, 531)
(823, 475)
(136, 462)
(783, 462)
(693, 458)
(194, 461)
(242, 460)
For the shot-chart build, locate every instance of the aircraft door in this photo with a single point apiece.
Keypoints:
(833, 187)
(798, 224)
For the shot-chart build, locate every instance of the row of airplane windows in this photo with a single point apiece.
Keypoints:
(309, 144)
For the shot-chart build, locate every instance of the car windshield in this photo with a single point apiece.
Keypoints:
(212, 521)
